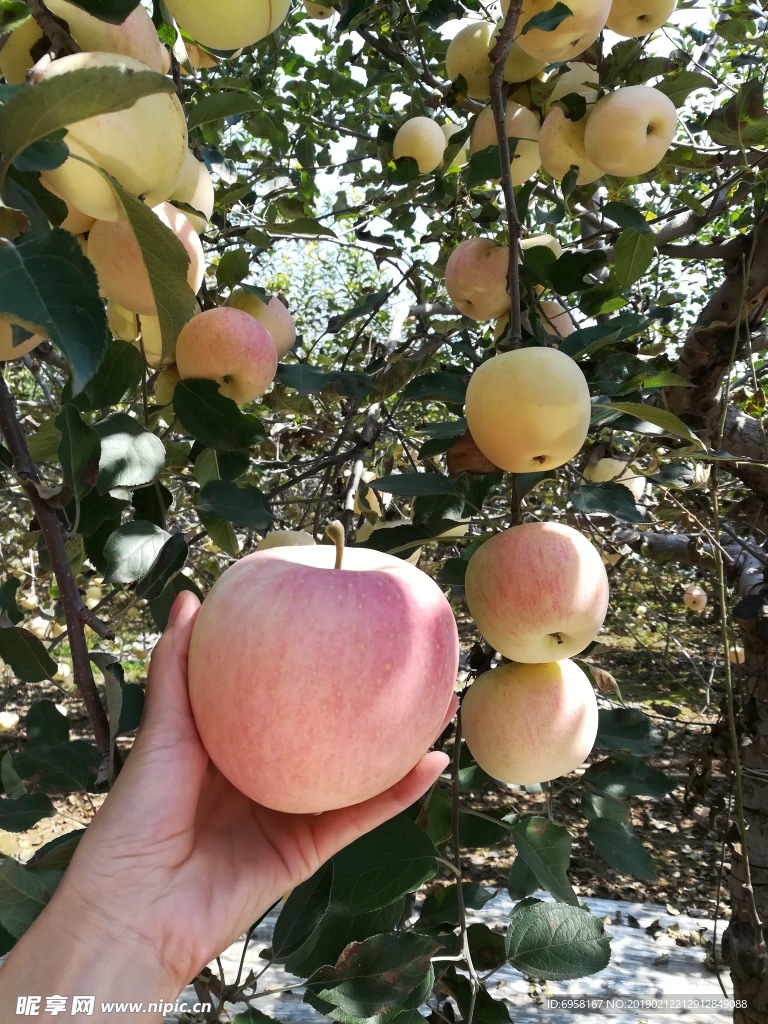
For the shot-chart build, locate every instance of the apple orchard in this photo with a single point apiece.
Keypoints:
(407, 333)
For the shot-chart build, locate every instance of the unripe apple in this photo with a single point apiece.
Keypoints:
(229, 24)
(94, 594)
(476, 278)
(28, 603)
(133, 613)
(305, 735)
(135, 37)
(319, 12)
(736, 655)
(637, 588)
(634, 18)
(695, 598)
(230, 347)
(423, 140)
(273, 315)
(142, 147)
(166, 384)
(26, 342)
(115, 253)
(528, 410)
(537, 592)
(618, 470)
(15, 56)
(468, 56)
(526, 724)
(579, 77)
(548, 241)
(520, 66)
(561, 145)
(630, 130)
(449, 130)
(285, 539)
(571, 37)
(557, 322)
(195, 188)
(523, 125)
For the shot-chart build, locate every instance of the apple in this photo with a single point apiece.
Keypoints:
(529, 410)
(476, 278)
(557, 322)
(123, 277)
(15, 56)
(423, 140)
(77, 222)
(523, 125)
(8, 720)
(320, 12)
(25, 342)
(547, 241)
(142, 147)
(285, 538)
(150, 343)
(695, 598)
(135, 37)
(618, 470)
(166, 383)
(736, 655)
(273, 315)
(468, 56)
(230, 347)
(576, 77)
(561, 145)
(526, 724)
(198, 57)
(194, 188)
(537, 592)
(229, 24)
(305, 735)
(571, 37)
(630, 130)
(634, 18)
(449, 130)
(122, 322)
(520, 66)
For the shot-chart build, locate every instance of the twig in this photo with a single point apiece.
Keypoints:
(473, 978)
(62, 41)
(499, 55)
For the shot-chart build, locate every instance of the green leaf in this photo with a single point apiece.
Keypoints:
(557, 942)
(44, 443)
(161, 606)
(742, 121)
(370, 304)
(8, 606)
(131, 551)
(233, 267)
(79, 451)
(632, 256)
(68, 767)
(613, 498)
(215, 421)
(44, 722)
(414, 484)
(130, 455)
(626, 775)
(168, 563)
(243, 506)
(486, 1009)
(23, 894)
(680, 85)
(595, 806)
(218, 105)
(620, 848)
(444, 386)
(48, 285)
(442, 905)
(626, 729)
(627, 216)
(309, 380)
(116, 379)
(546, 848)
(26, 655)
(549, 20)
(302, 227)
(36, 112)
(302, 913)
(24, 812)
(662, 418)
(13, 784)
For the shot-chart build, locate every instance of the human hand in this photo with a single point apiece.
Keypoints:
(181, 861)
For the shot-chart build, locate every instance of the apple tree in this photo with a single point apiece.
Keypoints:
(440, 271)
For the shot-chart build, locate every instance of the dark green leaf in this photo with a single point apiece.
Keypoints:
(556, 941)
(242, 506)
(214, 420)
(131, 551)
(68, 767)
(309, 380)
(161, 606)
(444, 386)
(625, 775)
(662, 418)
(130, 455)
(620, 848)
(218, 105)
(79, 451)
(24, 812)
(549, 20)
(627, 216)
(44, 722)
(414, 484)
(302, 913)
(442, 905)
(168, 563)
(116, 379)
(546, 849)
(8, 606)
(233, 267)
(26, 655)
(23, 894)
(627, 729)
(613, 498)
(632, 256)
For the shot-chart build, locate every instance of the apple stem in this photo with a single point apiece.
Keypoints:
(335, 532)
(557, 637)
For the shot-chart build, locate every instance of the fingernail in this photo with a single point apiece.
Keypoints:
(175, 609)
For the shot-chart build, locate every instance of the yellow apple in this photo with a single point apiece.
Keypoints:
(285, 538)
(630, 130)
(520, 66)
(523, 125)
(230, 347)
(122, 322)
(736, 655)
(26, 342)
(558, 322)
(15, 56)
(571, 37)
(142, 147)
(468, 56)
(198, 57)
(423, 140)
(548, 241)
(695, 598)
(229, 24)
(449, 130)
(639, 17)
(195, 188)
(123, 277)
(616, 469)
(273, 315)
(167, 380)
(150, 343)
(528, 410)
(320, 12)
(526, 724)
(8, 720)
(561, 146)
(476, 278)
(135, 37)
(77, 222)
(579, 78)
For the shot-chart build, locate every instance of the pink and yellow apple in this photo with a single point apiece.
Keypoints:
(526, 724)
(195, 188)
(230, 347)
(537, 592)
(273, 315)
(304, 735)
(476, 278)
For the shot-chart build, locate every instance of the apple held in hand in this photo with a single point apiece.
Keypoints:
(528, 410)
(629, 131)
(230, 347)
(635, 18)
(537, 592)
(316, 687)
(526, 724)
(229, 24)
(695, 598)
(476, 278)
(423, 140)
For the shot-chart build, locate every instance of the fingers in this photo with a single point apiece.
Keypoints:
(336, 829)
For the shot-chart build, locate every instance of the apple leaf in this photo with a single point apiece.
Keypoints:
(309, 380)
(619, 847)
(26, 655)
(412, 485)
(79, 450)
(242, 506)
(130, 455)
(626, 729)
(69, 767)
(662, 418)
(23, 894)
(131, 551)
(115, 381)
(627, 216)
(444, 386)
(633, 254)
(161, 606)
(557, 942)
(680, 86)
(169, 562)
(613, 498)
(8, 606)
(218, 105)
(626, 775)
(546, 848)
(547, 21)
(302, 912)
(442, 905)
(46, 724)
(743, 120)
(25, 811)
(214, 420)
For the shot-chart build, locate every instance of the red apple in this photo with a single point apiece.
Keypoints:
(315, 687)
(537, 592)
